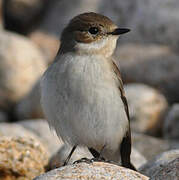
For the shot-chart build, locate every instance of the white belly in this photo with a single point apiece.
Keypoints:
(81, 100)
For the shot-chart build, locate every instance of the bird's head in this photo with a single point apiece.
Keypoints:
(91, 33)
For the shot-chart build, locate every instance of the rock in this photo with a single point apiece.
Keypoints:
(21, 158)
(21, 64)
(49, 44)
(41, 129)
(62, 11)
(151, 21)
(15, 130)
(154, 65)
(129, 53)
(96, 170)
(150, 146)
(29, 107)
(1, 13)
(137, 158)
(168, 172)
(171, 123)
(3, 117)
(22, 15)
(58, 159)
(146, 107)
(159, 162)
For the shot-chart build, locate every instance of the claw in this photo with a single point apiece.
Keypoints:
(98, 159)
(86, 160)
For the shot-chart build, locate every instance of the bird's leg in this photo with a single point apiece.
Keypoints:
(86, 160)
(101, 152)
(97, 155)
(69, 156)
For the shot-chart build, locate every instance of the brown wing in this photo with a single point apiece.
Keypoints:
(117, 72)
(125, 146)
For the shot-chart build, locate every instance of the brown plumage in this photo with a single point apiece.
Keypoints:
(81, 24)
(125, 147)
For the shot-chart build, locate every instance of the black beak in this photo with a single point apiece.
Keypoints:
(119, 31)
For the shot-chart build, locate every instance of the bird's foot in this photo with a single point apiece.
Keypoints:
(89, 161)
(101, 159)
(86, 160)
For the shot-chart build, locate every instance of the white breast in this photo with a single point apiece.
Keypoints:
(81, 100)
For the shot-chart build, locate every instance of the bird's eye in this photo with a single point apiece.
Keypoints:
(93, 30)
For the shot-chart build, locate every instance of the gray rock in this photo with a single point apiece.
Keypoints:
(15, 130)
(146, 107)
(21, 65)
(62, 11)
(49, 44)
(96, 170)
(29, 107)
(1, 17)
(41, 129)
(154, 21)
(127, 54)
(23, 15)
(150, 146)
(154, 65)
(168, 172)
(159, 162)
(137, 158)
(171, 123)
(3, 117)
(58, 159)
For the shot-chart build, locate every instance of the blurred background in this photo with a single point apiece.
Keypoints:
(148, 58)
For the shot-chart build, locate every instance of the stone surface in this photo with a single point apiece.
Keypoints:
(137, 158)
(171, 123)
(156, 164)
(41, 129)
(97, 170)
(15, 130)
(58, 159)
(49, 44)
(146, 107)
(1, 15)
(21, 64)
(154, 65)
(3, 117)
(29, 107)
(62, 11)
(129, 53)
(23, 15)
(21, 158)
(150, 146)
(151, 21)
(168, 172)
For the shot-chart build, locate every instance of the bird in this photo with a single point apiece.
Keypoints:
(82, 92)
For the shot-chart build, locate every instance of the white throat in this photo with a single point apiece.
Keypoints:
(104, 47)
